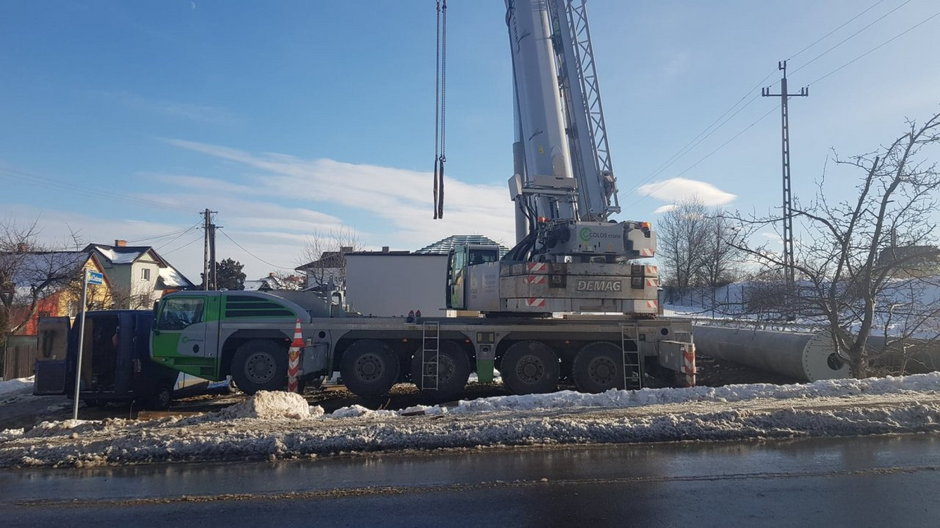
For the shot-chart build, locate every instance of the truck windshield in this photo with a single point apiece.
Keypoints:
(480, 256)
(179, 313)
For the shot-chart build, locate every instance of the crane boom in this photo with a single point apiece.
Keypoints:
(569, 256)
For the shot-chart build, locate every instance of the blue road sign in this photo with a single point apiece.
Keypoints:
(94, 277)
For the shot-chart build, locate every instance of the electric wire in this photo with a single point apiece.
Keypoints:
(191, 242)
(194, 226)
(824, 37)
(158, 237)
(719, 147)
(850, 37)
(252, 254)
(19, 175)
(709, 130)
(696, 141)
(879, 46)
(712, 128)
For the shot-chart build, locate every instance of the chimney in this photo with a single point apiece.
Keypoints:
(345, 249)
(120, 243)
(384, 249)
(22, 247)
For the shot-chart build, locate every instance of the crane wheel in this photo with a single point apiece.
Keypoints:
(598, 367)
(260, 364)
(530, 367)
(452, 372)
(369, 368)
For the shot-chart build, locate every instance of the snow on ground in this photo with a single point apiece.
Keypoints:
(276, 425)
(16, 386)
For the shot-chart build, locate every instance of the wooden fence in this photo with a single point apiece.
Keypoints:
(19, 356)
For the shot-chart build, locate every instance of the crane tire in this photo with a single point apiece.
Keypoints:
(453, 372)
(369, 368)
(530, 367)
(260, 364)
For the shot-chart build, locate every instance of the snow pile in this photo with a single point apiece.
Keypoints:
(267, 405)
(276, 425)
(16, 385)
(614, 399)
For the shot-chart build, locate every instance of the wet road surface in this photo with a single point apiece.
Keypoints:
(858, 482)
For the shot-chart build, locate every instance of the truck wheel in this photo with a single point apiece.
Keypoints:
(260, 365)
(530, 367)
(160, 400)
(369, 368)
(598, 367)
(452, 374)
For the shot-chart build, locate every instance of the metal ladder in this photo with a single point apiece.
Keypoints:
(430, 354)
(632, 359)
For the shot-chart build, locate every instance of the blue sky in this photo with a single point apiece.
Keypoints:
(125, 119)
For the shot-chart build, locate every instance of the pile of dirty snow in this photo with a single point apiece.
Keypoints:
(266, 405)
(616, 399)
(280, 425)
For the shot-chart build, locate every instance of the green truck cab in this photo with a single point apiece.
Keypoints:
(212, 334)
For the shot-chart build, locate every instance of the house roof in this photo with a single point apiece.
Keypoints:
(172, 278)
(126, 255)
(445, 245)
(30, 270)
(329, 259)
(123, 254)
(272, 282)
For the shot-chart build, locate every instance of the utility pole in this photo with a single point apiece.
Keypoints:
(208, 254)
(788, 258)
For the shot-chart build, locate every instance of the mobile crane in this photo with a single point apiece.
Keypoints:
(567, 302)
(569, 257)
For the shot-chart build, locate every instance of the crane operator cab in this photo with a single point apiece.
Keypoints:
(459, 259)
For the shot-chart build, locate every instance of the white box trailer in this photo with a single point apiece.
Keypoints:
(390, 284)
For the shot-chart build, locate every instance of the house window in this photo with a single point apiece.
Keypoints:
(145, 274)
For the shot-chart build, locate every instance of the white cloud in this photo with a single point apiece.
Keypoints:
(400, 198)
(665, 208)
(269, 204)
(681, 189)
(190, 111)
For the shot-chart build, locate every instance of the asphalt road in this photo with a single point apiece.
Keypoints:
(857, 482)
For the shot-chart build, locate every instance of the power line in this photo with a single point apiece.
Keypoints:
(682, 152)
(707, 131)
(846, 39)
(191, 242)
(194, 226)
(158, 237)
(736, 136)
(18, 175)
(879, 46)
(824, 37)
(252, 254)
(721, 121)
(659, 185)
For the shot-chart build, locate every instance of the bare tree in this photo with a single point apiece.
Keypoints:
(698, 247)
(853, 250)
(29, 273)
(721, 262)
(682, 234)
(123, 297)
(324, 257)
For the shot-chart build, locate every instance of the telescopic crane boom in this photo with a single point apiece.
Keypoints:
(563, 183)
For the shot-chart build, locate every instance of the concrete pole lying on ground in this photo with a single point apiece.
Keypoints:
(803, 356)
